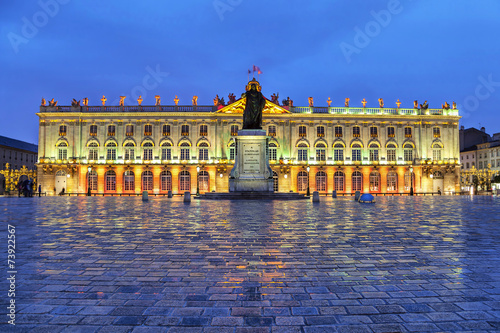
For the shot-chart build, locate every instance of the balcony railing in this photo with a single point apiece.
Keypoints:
(292, 109)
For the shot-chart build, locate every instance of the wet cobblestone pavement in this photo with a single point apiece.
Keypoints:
(404, 264)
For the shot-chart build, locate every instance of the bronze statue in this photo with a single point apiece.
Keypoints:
(255, 101)
(231, 98)
(43, 101)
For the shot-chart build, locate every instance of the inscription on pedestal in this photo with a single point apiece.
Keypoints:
(251, 158)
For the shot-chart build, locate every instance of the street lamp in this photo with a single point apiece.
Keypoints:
(308, 191)
(411, 180)
(197, 180)
(88, 178)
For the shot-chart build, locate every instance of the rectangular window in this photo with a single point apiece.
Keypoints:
(436, 154)
(93, 154)
(407, 132)
(63, 154)
(166, 154)
(203, 130)
(437, 132)
(320, 155)
(111, 130)
(338, 154)
(129, 130)
(185, 154)
(148, 154)
(391, 155)
(129, 153)
(62, 130)
(391, 132)
(185, 130)
(408, 155)
(273, 153)
(93, 130)
(203, 154)
(232, 154)
(373, 155)
(302, 155)
(148, 130)
(271, 131)
(356, 154)
(338, 131)
(356, 131)
(320, 131)
(302, 131)
(373, 132)
(166, 130)
(111, 154)
(234, 130)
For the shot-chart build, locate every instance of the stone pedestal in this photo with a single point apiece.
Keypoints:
(251, 171)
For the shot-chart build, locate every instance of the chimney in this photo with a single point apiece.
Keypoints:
(483, 129)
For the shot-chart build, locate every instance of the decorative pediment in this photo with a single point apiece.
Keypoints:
(239, 107)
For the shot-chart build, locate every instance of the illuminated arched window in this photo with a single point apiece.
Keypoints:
(302, 181)
(92, 180)
(321, 152)
(408, 152)
(147, 181)
(356, 152)
(203, 179)
(203, 151)
(339, 181)
(392, 181)
(184, 181)
(129, 151)
(437, 149)
(338, 152)
(374, 181)
(373, 148)
(321, 181)
(302, 152)
(273, 151)
(391, 152)
(166, 151)
(166, 181)
(129, 181)
(111, 151)
(185, 151)
(62, 151)
(147, 151)
(357, 181)
(110, 181)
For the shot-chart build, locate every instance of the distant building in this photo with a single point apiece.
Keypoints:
(157, 148)
(479, 150)
(17, 153)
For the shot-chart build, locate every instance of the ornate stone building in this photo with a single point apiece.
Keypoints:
(128, 149)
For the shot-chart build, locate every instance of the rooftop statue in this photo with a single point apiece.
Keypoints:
(195, 100)
(446, 106)
(398, 103)
(139, 100)
(275, 98)
(364, 102)
(231, 98)
(176, 100)
(454, 106)
(43, 101)
(415, 104)
(85, 101)
(75, 103)
(311, 102)
(122, 100)
(157, 100)
(216, 100)
(381, 102)
(103, 100)
(329, 102)
(52, 102)
(255, 101)
(424, 106)
(347, 102)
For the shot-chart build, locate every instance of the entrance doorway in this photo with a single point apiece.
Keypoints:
(60, 181)
(437, 181)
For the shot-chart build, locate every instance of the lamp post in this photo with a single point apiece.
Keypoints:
(88, 181)
(308, 191)
(411, 180)
(197, 180)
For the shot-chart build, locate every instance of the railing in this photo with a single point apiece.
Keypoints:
(292, 109)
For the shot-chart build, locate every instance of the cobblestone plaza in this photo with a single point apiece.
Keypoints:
(117, 264)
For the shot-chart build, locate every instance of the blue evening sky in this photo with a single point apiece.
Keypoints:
(445, 50)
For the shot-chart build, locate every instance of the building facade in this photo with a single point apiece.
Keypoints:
(17, 154)
(130, 149)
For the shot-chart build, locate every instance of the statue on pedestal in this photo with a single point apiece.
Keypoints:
(255, 101)
(231, 98)
(275, 98)
(347, 102)
(157, 100)
(216, 100)
(195, 100)
(139, 100)
(43, 101)
(424, 106)
(381, 102)
(415, 104)
(364, 102)
(329, 102)
(446, 106)
(311, 102)
(52, 102)
(176, 100)
(122, 100)
(398, 103)
(103, 100)
(454, 106)
(85, 101)
(75, 103)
